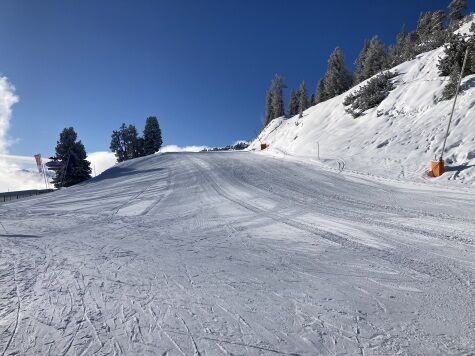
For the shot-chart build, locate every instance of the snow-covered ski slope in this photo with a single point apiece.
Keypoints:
(238, 253)
(397, 139)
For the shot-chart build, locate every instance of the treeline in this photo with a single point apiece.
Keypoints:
(434, 28)
(127, 144)
(70, 160)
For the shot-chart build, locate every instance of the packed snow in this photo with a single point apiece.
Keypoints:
(238, 253)
(398, 138)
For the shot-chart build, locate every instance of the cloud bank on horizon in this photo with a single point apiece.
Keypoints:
(175, 148)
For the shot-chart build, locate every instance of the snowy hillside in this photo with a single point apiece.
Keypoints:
(398, 138)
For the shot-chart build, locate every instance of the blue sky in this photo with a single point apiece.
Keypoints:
(201, 67)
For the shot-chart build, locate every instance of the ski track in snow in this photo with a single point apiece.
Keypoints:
(238, 253)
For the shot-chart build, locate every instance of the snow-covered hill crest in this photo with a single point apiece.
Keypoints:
(396, 139)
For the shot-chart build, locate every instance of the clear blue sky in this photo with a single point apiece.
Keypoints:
(201, 67)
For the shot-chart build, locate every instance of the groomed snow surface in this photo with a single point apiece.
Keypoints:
(238, 253)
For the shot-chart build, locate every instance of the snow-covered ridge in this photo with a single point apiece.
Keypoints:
(396, 139)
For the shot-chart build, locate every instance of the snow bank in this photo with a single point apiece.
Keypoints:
(398, 138)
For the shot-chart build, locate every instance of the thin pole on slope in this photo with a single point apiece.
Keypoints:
(453, 105)
(318, 150)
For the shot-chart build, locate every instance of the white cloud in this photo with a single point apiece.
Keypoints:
(7, 100)
(13, 175)
(175, 148)
(100, 161)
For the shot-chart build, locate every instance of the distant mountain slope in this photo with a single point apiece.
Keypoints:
(396, 139)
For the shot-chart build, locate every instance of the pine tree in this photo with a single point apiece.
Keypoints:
(338, 78)
(152, 136)
(269, 115)
(303, 99)
(312, 100)
(118, 144)
(278, 86)
(275, 100)
(451, 87)
(370, 94)
(456, 10)
(396, 52)
(360, 64)
(373, 59)
(430, 31)
(76, 168)
(454, 52)
(321, 94)
(134, 146)
(293, 104)
(126, 144)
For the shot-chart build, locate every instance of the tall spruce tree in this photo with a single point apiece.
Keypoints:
(312, 100)
(372, 59)
(134, 143)
(76, 168)
(293, 108)
(360, 63)
(456, 11)
(396, 51)
(278, 86)
(430, 31)
(337, 79)
(302, 99)
(275, 99)
(321, 94)
(269, 115)
(152, 136)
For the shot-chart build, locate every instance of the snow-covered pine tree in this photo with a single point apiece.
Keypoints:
(269, 115)
(430, 31)
(374, 60)
(76, 168)
(275, 99)
(395, 52)
(451, 87)
(338, 77)
(369, 95)
(303, 99)
(321, 94)
(293, 104)
(451, 63)
(456, 11)
(312, 100)
(277, 88)
(454, 52)
(360, 63)
(152, 136)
